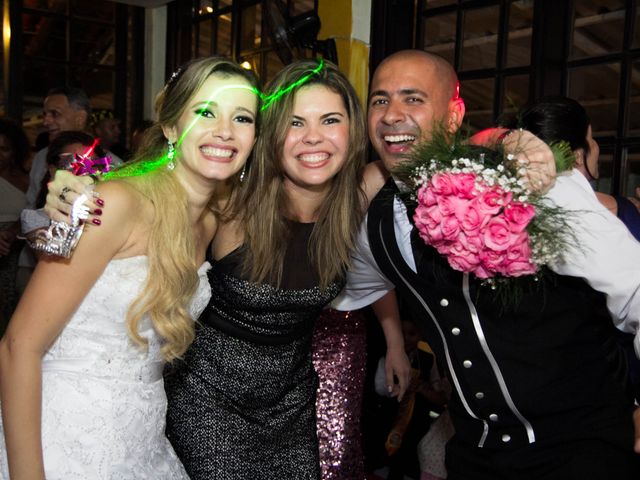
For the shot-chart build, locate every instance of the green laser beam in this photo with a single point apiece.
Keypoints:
(268, 100)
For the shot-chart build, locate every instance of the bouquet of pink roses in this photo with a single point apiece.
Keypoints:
(475, 211)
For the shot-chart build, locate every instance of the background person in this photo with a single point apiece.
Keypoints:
(14, 181)
(556, 119)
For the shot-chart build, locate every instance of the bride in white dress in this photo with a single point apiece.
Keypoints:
(81, 363)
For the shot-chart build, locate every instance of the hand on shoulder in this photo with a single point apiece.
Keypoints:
(374, 178)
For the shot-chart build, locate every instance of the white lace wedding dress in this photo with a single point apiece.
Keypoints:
(103, 399)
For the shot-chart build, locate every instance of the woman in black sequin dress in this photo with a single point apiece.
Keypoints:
(241, 405)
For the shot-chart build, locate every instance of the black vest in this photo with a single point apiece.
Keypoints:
(544, 369)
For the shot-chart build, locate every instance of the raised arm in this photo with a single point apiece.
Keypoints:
(604, 253)
(374, 178)
(56, 288)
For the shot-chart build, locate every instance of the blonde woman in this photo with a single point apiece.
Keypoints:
(81, 362)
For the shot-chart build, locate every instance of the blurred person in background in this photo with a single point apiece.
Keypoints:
(14, 181)
(106, 127)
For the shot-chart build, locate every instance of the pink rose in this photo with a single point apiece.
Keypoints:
(481, 272)
(497, 235)
(492, 260)
(441, 184)
(491, 201)
(462, 259)
(470, 241)
(518, 268)
(435, 213)
(428, 228)
(463, 262)
(450, 228)
(426, 196)
(464, 184)
(452, 205)
(519, 215)
(520, 249)
(443, 248)
(518, 258)
(473, 219)
(430, 231)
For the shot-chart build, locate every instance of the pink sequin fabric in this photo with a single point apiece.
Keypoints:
(339, 356)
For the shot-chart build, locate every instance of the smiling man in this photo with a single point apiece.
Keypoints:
(539, 386)
(410, 93)
(64, 108)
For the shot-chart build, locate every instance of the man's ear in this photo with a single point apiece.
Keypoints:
(456, 114)
(579, 157)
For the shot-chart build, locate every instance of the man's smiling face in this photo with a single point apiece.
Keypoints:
(408, 97)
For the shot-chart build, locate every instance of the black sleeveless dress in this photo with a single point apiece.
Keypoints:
(242, 403)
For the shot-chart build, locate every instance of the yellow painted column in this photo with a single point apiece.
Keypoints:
(337, 19)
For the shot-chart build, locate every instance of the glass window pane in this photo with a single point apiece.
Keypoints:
(92, 43)
(633, 126)
(223, 37)
(440, 35)
(478, 98)
(250, 30)
(204, 38)
(605, 173)
(99, 83)
(95, 9)
(598, 28)
(206, 6)
(39, 77)
(274, 65)
(210, 6)
(516, 95)
(439, 3)
(58, 6)
(44, 36)
(254, 61)
(633, 171)
(596, 88)
(3, 107)
(480, 38)
(519, 37)
(301, 6)
(636, 37)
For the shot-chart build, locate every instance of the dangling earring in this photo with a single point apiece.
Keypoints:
(171, 153)
(244, 170)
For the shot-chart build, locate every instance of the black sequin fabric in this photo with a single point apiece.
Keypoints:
(242, 402)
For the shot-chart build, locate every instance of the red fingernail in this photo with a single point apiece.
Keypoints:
(97, 211)
(100, 202)
(96, 221)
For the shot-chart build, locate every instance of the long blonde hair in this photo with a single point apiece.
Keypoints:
(172, 278)
(262, 207)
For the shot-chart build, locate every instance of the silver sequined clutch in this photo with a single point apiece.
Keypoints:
(49, 236)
